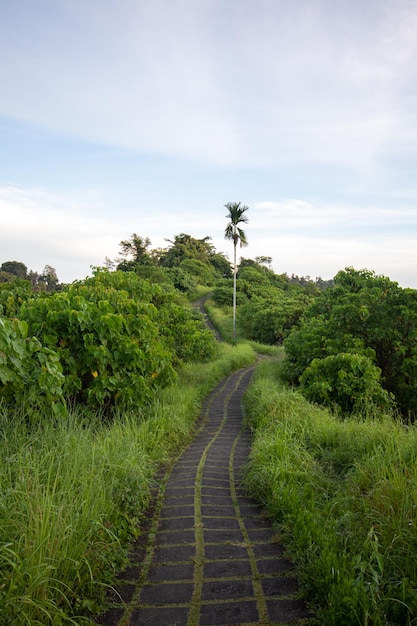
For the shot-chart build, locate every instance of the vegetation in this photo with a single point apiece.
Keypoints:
(75, 490)
(14, 270)
(124, 344)
(343, 495)
(236, 215)
(109, 342)
(364, 327)
(101, 383)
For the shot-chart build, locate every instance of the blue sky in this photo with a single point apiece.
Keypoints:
(147, 116)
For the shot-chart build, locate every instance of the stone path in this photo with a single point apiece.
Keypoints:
(209, 557)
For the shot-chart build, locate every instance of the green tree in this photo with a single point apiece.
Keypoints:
(361, 314)
(270, 319)
(233, 232)
(221, 264)
(186, 247)
(137, 249)
(15, 268)
(49, 278)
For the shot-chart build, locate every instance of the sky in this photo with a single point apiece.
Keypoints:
(148, 116)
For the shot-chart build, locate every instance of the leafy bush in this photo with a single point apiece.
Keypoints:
(223, 293)
(107, 343)
(365, 314)
(118, 337)
(269, 320)
(30, 373)
(347, 382)
(12, 296)
(202, 272)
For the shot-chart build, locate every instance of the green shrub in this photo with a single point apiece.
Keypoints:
(30, 373)
(365, 314)
(12, 294)
(118, 338)
(350, 383)
(107, 343)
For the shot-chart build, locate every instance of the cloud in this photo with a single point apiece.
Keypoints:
(77, 231)
(313, 256)
(74, 231)
(252, 83)
(364, 221)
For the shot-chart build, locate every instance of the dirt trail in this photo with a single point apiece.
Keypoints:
(209, 557)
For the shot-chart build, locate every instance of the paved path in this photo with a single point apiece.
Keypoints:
(209, 557)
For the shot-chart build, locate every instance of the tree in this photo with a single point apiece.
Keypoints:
(16, 268)
(49, 278)
(361, 314)
(221, 264)
(233, 232)
(186, 247)
(137, 248)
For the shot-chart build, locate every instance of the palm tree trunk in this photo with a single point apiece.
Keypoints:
(234, 292)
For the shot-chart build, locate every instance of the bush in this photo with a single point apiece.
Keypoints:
(269, 320)
(348, 382)
(30, 373)
(364, 314)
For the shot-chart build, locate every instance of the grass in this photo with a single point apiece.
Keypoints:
(222, 320)
(343, 494)
(73, 493)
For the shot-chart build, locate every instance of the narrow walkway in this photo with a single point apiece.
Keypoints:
(209, 557)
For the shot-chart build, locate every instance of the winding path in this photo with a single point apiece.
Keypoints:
(209, 557)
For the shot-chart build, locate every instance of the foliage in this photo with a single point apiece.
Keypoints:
(182, 280)
(75, 492)
(343, 494)
(310, 285)
(107, 343)
(203, 273)
(155, 274)
(15, 268)
(365, 314)
(186, 247)
(135, 247)
(221, 265)
(270, 319)
(261, 273)
(349, 382)
(223, 293)
(30, 373)
(118, 337)
(184, 332)
(12, 295)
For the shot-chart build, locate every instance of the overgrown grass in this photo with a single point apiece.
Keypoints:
(222, 320)
(344, 496)
(73, 493)
(198, 292)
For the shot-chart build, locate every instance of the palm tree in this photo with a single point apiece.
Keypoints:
(235, 216)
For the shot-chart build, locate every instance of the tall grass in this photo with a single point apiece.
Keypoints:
(222, 320)
(73, 493)
(344, 496)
